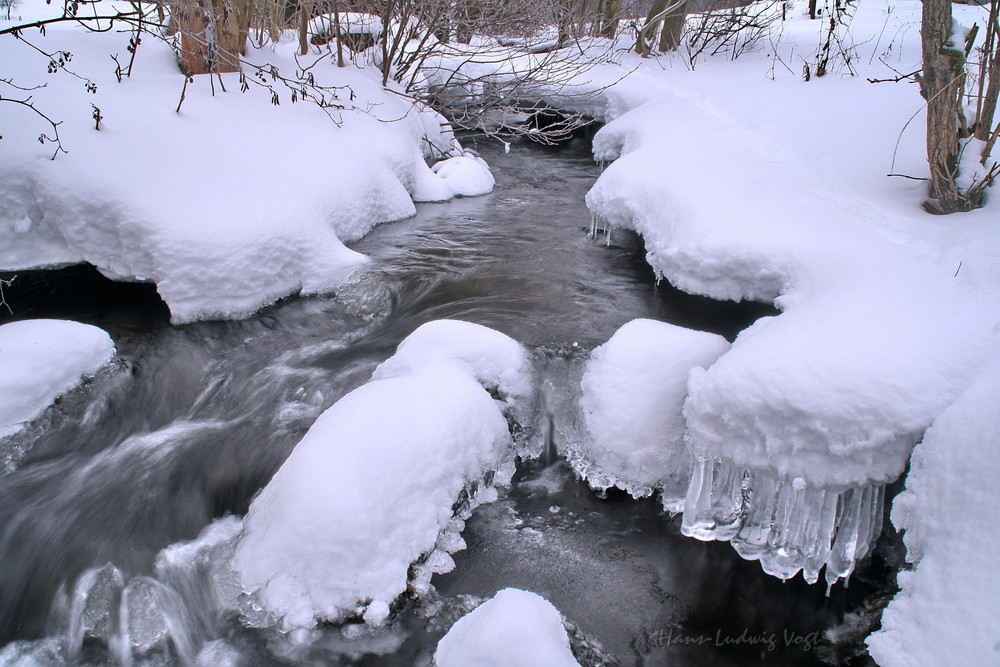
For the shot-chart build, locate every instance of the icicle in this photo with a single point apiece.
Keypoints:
(784, 523)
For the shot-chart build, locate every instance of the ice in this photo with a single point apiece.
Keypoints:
(785, 523)
(515, 628)
(154, 627)
(373, 489)
(632, 394)
(200, 574)
(43, 359)
(41, 653)
(94, 608)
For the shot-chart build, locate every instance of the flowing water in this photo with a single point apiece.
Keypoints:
(192, 420)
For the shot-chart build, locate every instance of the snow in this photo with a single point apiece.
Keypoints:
(947, 607)
(744, 181)
(42, 360)
(351, 23)
(825, 408)
(633, 392)
(748, 183)
(514, 628)
(495, 360)
(370, 489)
(228, 204)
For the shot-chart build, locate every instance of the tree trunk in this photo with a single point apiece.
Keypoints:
(941, 85)
(304, 7)
(670, 36)
(213, 34)
(610, 18)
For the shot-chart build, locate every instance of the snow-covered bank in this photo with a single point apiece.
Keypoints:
(229, 203)
(948, 604)
(748, 183)
(366, 504)
(41, 360)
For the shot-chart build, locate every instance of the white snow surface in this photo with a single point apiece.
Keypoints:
(230, 203)
(948, 604)
(514, 628)
(632, 395)
(370, 488)
(495, 360)
(41, 360)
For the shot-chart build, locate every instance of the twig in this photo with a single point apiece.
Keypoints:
(3, 299)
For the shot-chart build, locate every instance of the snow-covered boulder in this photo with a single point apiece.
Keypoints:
(633, 392)
(41, 360)
(372, 487)
(513, 629)
(494, 359)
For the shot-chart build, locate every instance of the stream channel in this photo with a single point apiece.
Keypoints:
(191, 421)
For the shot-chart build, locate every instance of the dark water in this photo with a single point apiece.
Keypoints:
(192, 420)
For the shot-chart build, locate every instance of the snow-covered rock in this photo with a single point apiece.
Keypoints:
(41, 360)
(632, 395)
(465, 175)
(494, 359)
(515, 628)
(372, 487)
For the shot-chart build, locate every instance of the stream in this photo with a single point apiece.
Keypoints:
(191, 421)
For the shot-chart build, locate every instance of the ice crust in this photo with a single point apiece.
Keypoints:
(382, 482)
(42, 360)
(515, 628)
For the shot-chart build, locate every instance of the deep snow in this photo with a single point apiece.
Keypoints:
(745, 181)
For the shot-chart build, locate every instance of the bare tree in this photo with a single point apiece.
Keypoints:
(943, 83)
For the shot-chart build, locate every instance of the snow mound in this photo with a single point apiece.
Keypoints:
(465, 175)
(494, 359)
(946, 610)
(229, 203)
(632, 395)
(42, 360)
(513, 629)
(382, 481)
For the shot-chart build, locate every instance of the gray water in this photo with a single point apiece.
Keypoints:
(192, 421)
